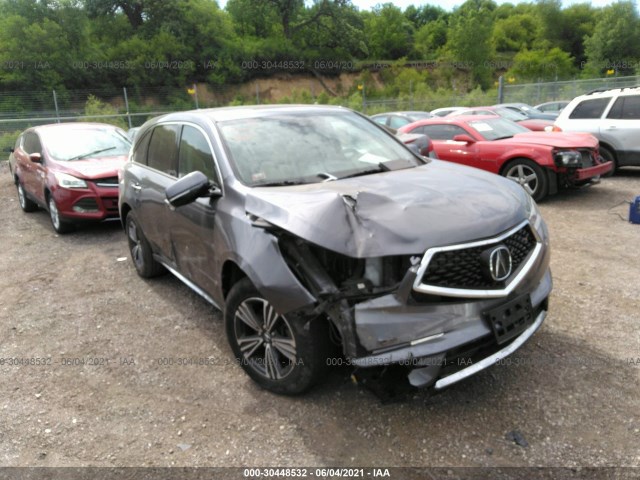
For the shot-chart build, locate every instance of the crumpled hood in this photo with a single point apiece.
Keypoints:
(556, 139)
(94, 167)
(394, 213)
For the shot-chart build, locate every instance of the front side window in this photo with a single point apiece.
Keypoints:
(163, 149)
(195, 154)
(590, 108)
(443, 131)
(32, 143)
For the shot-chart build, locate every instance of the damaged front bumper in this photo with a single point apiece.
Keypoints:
(444, 336)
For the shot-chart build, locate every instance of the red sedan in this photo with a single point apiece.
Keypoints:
(71, 170)
(539, 161)
(535, 124)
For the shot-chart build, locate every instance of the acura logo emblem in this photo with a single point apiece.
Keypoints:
(500, 263)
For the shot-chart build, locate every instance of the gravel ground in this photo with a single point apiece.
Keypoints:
(112, 391)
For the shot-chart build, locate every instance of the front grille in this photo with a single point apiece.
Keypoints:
(110, 204)
(464, 269)
(107, 182)
(588, 158)
(86, 205)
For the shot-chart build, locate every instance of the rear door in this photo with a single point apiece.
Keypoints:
(150, 181)
(621, 129)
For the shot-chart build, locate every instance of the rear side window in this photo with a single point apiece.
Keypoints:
(626, 108)
(163, 149)
(195, 154)
(590, 108)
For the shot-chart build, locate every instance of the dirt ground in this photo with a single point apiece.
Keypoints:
(93, 369)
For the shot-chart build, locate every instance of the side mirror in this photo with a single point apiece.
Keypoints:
(35, 157)
(414, 148)
(8, 149)
(189, 188)
(463, 138)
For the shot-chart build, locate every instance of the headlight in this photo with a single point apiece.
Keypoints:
(568, 158)
(69, 181)
(535, 218)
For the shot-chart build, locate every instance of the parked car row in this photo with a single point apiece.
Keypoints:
(321, 236)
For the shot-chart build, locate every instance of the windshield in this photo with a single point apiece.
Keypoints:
(68, 144)
(510, 114)
(285, 148)
(497, 128)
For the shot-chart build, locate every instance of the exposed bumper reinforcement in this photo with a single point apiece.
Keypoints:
(494, 358)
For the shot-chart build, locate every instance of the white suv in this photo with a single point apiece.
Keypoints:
(613, 116)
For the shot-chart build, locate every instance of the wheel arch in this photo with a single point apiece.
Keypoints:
(230, 275)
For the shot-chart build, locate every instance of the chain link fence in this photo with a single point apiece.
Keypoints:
(536, 93)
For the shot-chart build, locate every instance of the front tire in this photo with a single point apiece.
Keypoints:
(141, 253)
(284, 356)
(59, 225)
(608, 156)
(529, 176)
(26, 204)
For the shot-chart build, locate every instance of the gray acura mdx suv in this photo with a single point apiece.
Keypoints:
(311, 226)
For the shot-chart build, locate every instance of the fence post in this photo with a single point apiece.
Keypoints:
(364, 100)
(55, 103)
(257, 94)
(500, 89)
(126, 105)
(195, 95)
(410, 94)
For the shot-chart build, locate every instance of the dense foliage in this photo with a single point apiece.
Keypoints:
(76, 44)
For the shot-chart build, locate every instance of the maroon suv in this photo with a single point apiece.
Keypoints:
(71, 170)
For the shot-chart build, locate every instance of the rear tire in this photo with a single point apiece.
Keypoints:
(141, 252)
(529, 176)
(282, 355)
(609, 156)
(26, 204)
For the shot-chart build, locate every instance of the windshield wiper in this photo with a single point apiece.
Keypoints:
(78, 157)
(389, 165)
(282, 183)
(502, 138)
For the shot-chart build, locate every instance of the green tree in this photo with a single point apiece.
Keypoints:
(516, 32)
(542, 65)
(469, 39)
(388, 32)
(615, 42)
(430, 38)
(579, 22)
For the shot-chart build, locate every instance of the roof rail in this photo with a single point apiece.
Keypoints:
(599, 90)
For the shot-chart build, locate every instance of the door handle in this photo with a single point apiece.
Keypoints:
(611, 127)
(137, 187)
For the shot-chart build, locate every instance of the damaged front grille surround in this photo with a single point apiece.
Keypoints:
(457, 271)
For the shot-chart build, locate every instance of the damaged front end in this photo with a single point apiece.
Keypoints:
(437, 312)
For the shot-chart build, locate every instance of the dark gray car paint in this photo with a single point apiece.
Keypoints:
(391, 213)
(394, 213)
